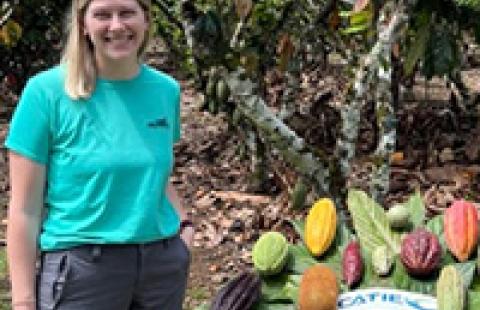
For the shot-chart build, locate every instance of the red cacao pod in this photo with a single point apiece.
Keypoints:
(460, 225)
(420, 252)
(352, 264)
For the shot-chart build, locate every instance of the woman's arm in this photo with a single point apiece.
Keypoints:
(172, 194)
(27, 183)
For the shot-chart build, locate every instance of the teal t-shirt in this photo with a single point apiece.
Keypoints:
(107, 158)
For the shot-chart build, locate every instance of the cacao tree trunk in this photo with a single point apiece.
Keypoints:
(277, 134)
(365, 79)
(386, 121)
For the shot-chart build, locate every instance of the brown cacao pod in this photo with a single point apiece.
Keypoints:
(352, 264)
(460, 226)
(420, 252)
(318, 289)
(320, 226)
(240, 293)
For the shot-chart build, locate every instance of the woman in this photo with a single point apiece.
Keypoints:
(91, 150)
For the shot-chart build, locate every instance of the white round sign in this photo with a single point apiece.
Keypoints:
(385, 299)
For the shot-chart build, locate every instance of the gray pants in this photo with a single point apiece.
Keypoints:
(149, 276)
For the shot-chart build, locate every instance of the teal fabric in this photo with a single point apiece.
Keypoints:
(108, 158)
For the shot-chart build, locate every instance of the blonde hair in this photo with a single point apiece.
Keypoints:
(78, 57)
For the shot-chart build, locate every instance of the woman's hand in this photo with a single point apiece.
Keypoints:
(187, 235)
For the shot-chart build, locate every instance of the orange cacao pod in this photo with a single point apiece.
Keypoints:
(318, 289)
(460, 226)
(320, 226)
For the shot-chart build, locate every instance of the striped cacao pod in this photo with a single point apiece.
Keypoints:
(320, 226)
(460, 226)
(239, 293)
(450, 289)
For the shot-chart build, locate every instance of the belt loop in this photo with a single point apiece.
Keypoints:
(96, 252)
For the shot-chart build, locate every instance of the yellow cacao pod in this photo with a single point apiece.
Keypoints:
(320, 226)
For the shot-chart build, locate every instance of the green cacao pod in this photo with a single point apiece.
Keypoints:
(451, 292)
(239, 293)
(270, 253)
(398, 216)
(382, 260)
(210, 88)
(222, 91)
(299, 194)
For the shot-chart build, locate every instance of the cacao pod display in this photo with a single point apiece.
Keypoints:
(451, 292)
(382, 260)
(318, 289)
(270, 253)
(352, 264)
(420, 252)
(239, 293)
(398, 216)
(461, 229)
(320, 226)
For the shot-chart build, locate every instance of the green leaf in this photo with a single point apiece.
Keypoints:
(467, 270)
(272, 288)
(280, 288)
(371, 223)
(417, 209)
(299, 258)
(404, 281)
(370, 278)
(473, 300)
(299, 227)
(361, 18)
(333, 257)
(263, 305)
(422, 36)
(355, 29)
(435, 225)
(203, 306)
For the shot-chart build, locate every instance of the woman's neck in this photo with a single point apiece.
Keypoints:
(118, 70)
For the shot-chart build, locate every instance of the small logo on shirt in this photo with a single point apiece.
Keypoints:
(159, 122)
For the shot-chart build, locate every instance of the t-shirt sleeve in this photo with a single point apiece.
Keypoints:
(29, 129)
(176, 116)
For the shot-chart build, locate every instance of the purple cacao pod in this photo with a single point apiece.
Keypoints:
(420, 252)
(240, 293)
(352, 264)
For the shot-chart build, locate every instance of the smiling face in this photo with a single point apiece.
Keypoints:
(116, 29)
